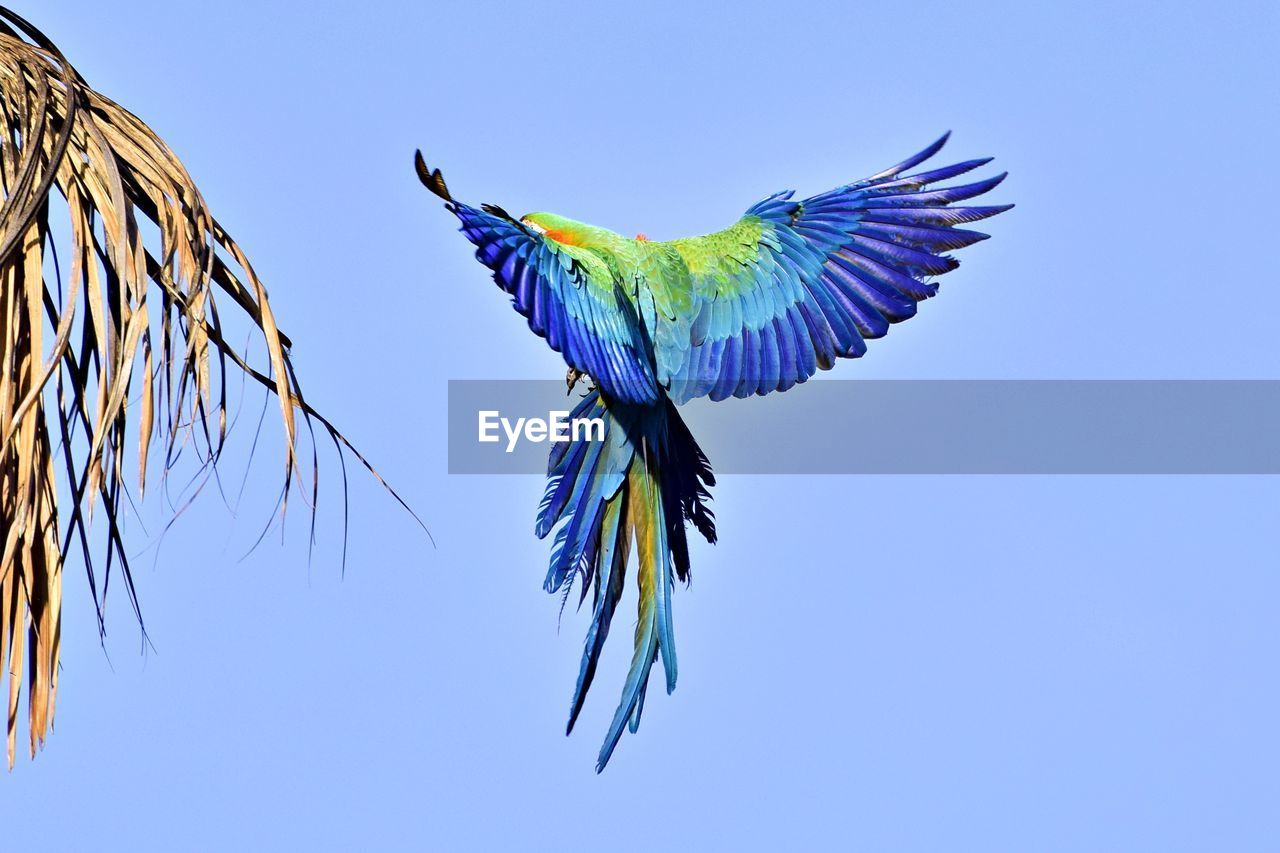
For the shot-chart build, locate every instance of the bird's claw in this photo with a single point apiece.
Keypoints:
(571, 379)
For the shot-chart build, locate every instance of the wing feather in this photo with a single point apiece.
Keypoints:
(583, 315)
(824, 275)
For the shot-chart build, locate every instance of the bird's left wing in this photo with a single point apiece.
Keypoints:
(570, 297)
(794, 285)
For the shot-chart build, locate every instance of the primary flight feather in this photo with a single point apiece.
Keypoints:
(756, 308)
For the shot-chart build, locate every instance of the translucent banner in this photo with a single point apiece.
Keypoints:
(912, 427)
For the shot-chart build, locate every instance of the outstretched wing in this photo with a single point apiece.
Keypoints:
(569, 297)
(794, 285)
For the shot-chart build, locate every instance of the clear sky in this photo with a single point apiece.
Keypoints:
(870, 663)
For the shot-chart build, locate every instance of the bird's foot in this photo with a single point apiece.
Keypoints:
(571, 379)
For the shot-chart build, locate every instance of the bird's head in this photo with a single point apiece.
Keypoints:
(568, 232)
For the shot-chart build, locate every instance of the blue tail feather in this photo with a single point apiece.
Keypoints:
(645, 480)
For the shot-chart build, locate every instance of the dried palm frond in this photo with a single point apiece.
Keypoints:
(119, 343)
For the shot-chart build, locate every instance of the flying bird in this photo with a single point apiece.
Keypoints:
(756, 308)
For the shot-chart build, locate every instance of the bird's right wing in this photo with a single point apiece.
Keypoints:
(795, 285)
(569, 297)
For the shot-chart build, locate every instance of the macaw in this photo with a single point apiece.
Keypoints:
(756, 308)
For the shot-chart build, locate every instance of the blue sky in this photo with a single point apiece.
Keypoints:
(872, 663)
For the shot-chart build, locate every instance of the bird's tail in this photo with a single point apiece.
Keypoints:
(628, 474)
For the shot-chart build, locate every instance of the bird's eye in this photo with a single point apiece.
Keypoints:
(533, 226)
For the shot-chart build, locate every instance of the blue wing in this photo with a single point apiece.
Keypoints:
(585, 317)
(828, 273)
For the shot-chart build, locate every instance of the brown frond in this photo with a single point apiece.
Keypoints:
(109, 335)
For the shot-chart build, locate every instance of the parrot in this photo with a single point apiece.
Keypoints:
(755, 309)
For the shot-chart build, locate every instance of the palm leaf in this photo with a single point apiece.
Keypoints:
(110, 338)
